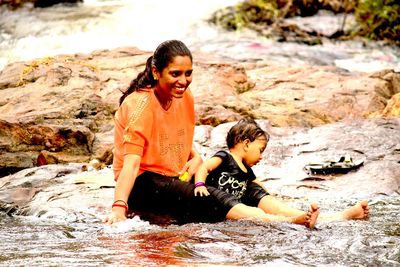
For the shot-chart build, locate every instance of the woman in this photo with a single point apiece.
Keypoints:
(154, 128)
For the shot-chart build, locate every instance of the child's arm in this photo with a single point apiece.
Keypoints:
(260, 184)
(202, 173)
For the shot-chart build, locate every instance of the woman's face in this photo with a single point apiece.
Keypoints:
(175, 78)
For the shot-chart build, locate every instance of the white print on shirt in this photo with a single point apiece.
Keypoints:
(231, 185)
(172, 153)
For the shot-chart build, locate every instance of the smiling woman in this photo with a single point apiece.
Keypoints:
(154, 128)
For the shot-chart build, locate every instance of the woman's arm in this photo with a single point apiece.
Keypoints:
(123, 188)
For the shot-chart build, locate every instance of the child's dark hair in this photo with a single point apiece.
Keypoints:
(245, 129)
(163, 55)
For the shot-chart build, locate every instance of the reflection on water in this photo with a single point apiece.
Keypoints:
(373, 242)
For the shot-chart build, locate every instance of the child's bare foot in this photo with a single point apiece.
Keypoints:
(310, 218)
(358, 211)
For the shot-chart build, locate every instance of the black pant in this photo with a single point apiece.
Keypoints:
(155, 194)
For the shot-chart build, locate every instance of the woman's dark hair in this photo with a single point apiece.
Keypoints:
(245, 129)
(162, 57)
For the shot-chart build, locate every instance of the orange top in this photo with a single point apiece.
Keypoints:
(163, 138)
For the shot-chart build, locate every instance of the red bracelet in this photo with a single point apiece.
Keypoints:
(120, 205)
(120, 200)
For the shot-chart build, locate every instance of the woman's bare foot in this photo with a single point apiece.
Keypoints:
(358, 211)
(308, 219)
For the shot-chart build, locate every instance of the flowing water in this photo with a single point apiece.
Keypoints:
(27, 241)
(99, 24)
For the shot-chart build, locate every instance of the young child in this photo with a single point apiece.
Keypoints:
(231, 172)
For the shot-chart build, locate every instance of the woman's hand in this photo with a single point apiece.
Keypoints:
(202, 191)
(117, 215)
(192, 166)
(123, 188)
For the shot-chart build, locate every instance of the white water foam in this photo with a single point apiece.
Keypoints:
(97, 24)
(129, 225)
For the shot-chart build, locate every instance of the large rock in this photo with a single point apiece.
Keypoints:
(312, 96)
(61, 191)
(60, 109)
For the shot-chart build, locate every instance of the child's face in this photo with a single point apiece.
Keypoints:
(254, 152)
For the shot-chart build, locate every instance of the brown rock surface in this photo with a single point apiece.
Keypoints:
(61, 108)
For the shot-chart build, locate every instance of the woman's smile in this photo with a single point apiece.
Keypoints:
(175, 78)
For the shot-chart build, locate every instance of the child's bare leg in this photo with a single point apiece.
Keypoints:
(241, 211)
(271, 205)
(358, 211)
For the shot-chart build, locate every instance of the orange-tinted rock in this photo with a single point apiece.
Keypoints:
(64, 105)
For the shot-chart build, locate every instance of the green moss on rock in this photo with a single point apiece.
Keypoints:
(379, 19)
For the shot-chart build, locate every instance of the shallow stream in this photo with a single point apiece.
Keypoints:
(28, 241)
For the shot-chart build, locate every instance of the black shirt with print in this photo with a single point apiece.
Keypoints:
(229, 177)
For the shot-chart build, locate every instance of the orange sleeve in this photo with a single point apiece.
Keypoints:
(137, 122)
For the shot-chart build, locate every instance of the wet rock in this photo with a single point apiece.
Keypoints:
(61, 191)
